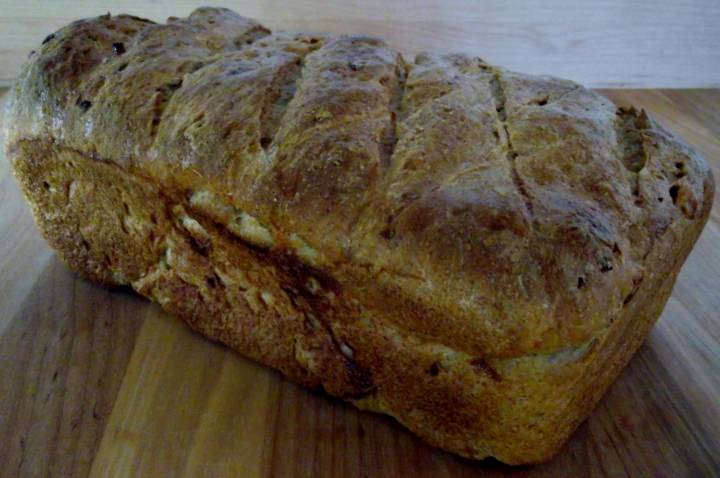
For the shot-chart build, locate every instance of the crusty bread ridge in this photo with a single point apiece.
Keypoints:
(473, 251)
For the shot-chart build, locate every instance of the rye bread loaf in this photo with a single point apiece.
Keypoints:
(473, 251)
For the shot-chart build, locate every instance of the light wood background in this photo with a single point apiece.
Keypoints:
(104, 383)
(605, 43)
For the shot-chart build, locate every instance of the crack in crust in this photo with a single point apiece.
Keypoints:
(498, 93)
(629, 128)
(630, 125)
(397, 93)
(315, 296)
(163, 94)
(390, 138)
(160, 99)
(274, 114)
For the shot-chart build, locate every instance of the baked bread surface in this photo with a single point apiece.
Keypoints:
(473, 251)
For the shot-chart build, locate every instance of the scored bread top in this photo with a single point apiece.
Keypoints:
(516, 210)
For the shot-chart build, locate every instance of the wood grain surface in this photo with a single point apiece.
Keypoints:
(104, 383)
(602, 43)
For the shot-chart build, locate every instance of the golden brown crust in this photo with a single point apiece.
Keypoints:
(473, 251)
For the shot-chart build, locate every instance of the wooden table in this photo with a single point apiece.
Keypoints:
(103, 382)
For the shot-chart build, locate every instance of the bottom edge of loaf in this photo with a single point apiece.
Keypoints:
(119, 229)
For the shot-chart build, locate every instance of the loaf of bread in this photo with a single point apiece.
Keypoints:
(472, 251)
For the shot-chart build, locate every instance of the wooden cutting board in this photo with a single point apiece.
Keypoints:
(103, 382)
